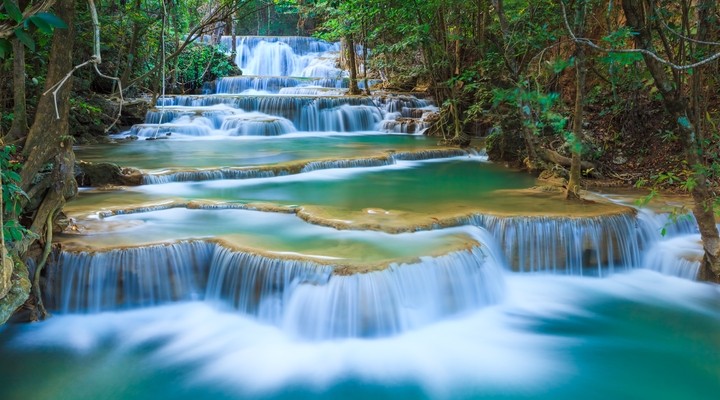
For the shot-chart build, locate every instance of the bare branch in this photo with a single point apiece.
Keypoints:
(678, 34)
(95, 60)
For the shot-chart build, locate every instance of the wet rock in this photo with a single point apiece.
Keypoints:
(97, 174)
(131, 177)
(101, 174)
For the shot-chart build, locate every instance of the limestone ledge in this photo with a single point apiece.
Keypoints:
(103, 174)
(340, 266)
(523, 203)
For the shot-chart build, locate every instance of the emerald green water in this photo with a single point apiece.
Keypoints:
(419, 187)
(241, 152)
(268, 232)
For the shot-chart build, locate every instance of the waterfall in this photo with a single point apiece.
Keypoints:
(575, 246)
(258, 285)
(207, 175)
(396, 299)
(257, 124)
(91, 282)
(305, 297)
(285, 56)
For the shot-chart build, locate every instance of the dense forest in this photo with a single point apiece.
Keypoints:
(582, 92)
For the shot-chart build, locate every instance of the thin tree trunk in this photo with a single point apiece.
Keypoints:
(233, 33)
(132, 50)
(352, 63)
(19, 126)
(573, 186)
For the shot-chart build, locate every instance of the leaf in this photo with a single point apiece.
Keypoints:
(5, 48)
(684, 122)
(52, 20)
(25, 39)
(12, 176)
(13, 10)
(43, 26)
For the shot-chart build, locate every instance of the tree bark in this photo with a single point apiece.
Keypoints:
(45, 136)
(48, 141)
(679, 111)
(573, 187)
(132, 49)
(352, 63)
(19, 126)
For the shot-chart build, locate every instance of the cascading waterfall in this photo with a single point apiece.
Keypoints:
(285, 56)
(396, 299)
(302, 296)
(127, 278)
(292, 78)
(575, 246)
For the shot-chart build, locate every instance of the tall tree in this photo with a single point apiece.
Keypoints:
(573, 186)
(670, 83)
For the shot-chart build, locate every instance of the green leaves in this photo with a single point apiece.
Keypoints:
(13, 11)
(50, 19)
(45, 22)
(11, 194)
(25, 39)
(5, 48)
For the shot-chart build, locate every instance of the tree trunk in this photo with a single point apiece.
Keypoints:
(573, 187)
(352, 63)
(46, 134)
(233, 33)
(48, 140)
(19, 126)
(678, 110)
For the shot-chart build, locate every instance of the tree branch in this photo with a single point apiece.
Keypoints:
(591, 44)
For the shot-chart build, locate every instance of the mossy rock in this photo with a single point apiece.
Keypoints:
(97, 174)
(19, 290)
(102, 174)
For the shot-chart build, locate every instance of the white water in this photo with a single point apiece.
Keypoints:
(552, 337)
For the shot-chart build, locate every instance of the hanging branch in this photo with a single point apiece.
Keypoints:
(95, 60)
(591, 44)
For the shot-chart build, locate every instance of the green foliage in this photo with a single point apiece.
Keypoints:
(44, 22)
(201, 63)
(11, 195)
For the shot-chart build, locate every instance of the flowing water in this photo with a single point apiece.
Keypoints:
(290, 242)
